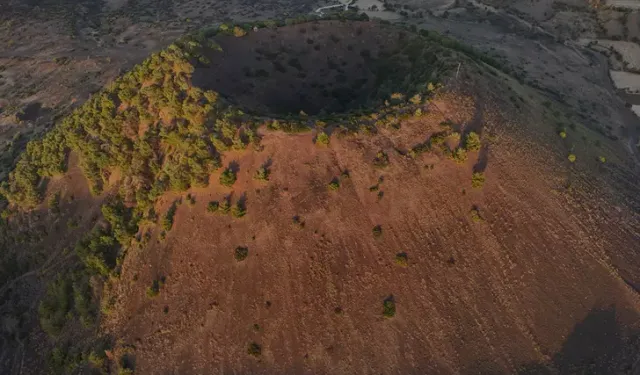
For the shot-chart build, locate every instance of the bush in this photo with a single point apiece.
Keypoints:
(262, 174)
(402, 259)
(228, 177)
(389, 308)
(239, 32)
(477, 180)
(154, 289)
(472, 142)
(322, 139)
(213, 206)
(167, 220)
(377, 231)
(381, 160)
(475, 215)
(254, 349)
(459, 155)
(298, 222)
(334, 184)
(241, 253)
(225, 206)
(238, 210)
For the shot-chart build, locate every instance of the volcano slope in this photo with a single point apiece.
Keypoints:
(336, 196)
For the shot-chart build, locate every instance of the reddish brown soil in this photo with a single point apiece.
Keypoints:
(533, 288)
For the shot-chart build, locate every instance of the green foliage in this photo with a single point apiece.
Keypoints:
(98, 251)
(298, 222)
(165, 137)
(54, 203)
(154, 289)
(381, 160)
(55, 306)
(167, 220)
(472, 142)
(562, 134)
(402, 259)
(322, 139)
(254, 349)
(123, 224)
(419, 149)
(334, 184)
(475, 215)
(377, 231)
(459, 155)
(262, 173)
(572, 158)
(228, 177)
(389, 308)
(225, 205)
(602, 159)
(238, 210)
(241, 253)
(438, 139)
(213, 206)
(477, 180)
(69, 295)
(239, 32)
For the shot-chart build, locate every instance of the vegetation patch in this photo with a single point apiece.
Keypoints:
(241, 253)
(389, 307)
(254, 349)
(477, 180)
(402, 259)
(228, 177)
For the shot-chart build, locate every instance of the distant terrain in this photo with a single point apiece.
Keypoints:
(203, 187)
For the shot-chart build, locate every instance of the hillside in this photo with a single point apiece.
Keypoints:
(335, 196)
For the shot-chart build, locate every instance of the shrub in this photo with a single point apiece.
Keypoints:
(472, 142)
(381, 160)
(475, 215)
(402, 259)
(377, 231)
(238, 210)
(154, 289)
(262, 174)
(322, 139)
(239, 32)
(389, 308)
(437, 138)
(54, 203)
(334, 184)
(477, 180)
(572, 158)
(298, 222)
(213, 206)
(225, 205)
(228, 177)
(459, 155)
(167, 220)
(254, 349)
(241, 253)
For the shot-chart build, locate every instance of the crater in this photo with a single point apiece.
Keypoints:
(319, 67)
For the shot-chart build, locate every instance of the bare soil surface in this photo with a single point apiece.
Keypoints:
(514, 293)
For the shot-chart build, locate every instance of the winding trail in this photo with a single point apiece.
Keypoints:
(345, 3)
